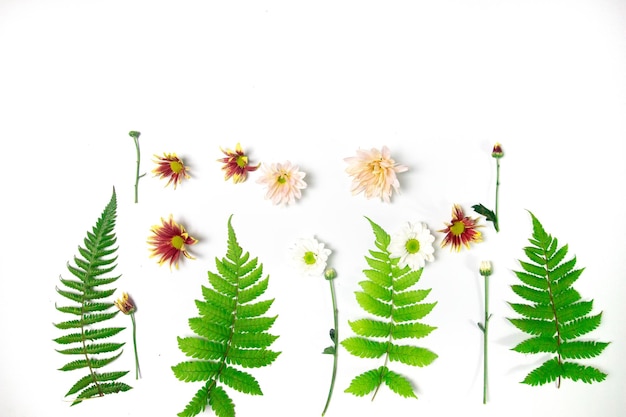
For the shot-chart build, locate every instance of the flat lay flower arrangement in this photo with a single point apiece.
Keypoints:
(232, 332)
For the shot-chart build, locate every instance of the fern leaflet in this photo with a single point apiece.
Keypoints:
(555, 315)
(231, 332)
(387, 294)
(85, 291)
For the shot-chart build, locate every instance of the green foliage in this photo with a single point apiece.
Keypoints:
(388, 295)
(555, 315)
(231, 331)
(85, 291)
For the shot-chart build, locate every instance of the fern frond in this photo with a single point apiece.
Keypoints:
(556, 314)
(388, 295)
(231, 331)
(96, 260)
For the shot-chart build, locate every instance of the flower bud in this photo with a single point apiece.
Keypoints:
(125, 304)
(134, 134)
(485, 268)
(330, 274)
(497, 151)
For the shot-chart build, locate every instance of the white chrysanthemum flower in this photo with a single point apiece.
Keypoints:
(310, 256)
(413, 245)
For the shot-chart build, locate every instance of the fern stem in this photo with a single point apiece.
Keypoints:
(87, 358)
(336, 351)
(556, 321)
(137, 371)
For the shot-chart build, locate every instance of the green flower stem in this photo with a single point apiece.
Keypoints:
(497, 226)
(485, 330)
(135, 136)
(137, 372)
(336, 348)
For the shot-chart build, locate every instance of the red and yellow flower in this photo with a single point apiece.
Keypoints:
(236, 164)
(169, 241)
(461, 230)
(171, 167)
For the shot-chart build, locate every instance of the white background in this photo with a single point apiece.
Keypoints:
(439, 82)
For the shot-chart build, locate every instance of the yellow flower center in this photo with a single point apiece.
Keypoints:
(457, 228)
(412, 246)
(282, 178)
(242, 161)
(309, 258)
(176, 167)
(178, 242)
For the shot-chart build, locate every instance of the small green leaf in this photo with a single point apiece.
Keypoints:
(329, 350)
(581, 349)
(587, 374)
(490, 216)
(411, 355)
(370, 328)
(251, 358)
(197, 404)
(579, 327)
(407, 280)
(239, 380)
(549, 371)
(221, 403)
(409, 297)
(366, 382)
(399, 384)
(253, 292)
(376, 291)
(537, 345)
(546, 328)
(364, 348)
(413, 312)
(372, 305)
(198, 348)
(411, 330)
(192, 371)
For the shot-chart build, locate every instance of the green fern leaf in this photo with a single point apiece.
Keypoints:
(411, 330)
(413, 312)
(372, 305)
(240, 381)
(365, 348)
(92, 349)
(549, 371)
(410, 297)
(544, 312)
(96, 259)
(556, 315)
(197, 404)
(378, 277)
(581, 326)
(231, 330)
(411, 355)
(535, 326)
(88, 380)
(366, 382)
(399, 384)
(198, 348)
(376, 291)
(100, 390)
(221, 403)
(407, 280)
(587, 374)
(581, 349)
(370, 328)
(387, 294)
(193, 371)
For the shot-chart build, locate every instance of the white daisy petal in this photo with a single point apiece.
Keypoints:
(413, 245)
(310, 256)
